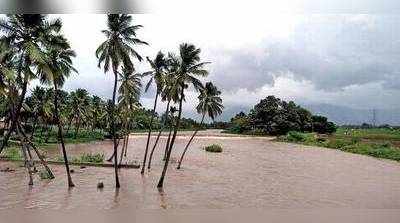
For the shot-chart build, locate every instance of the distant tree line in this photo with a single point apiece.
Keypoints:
(274, 116)
(79, 110)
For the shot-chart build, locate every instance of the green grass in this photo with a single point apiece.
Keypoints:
(85, 158)
(214, 148)
(12, 153)
(359, 142)
(371, 134)
(89, 158)
(82, 137)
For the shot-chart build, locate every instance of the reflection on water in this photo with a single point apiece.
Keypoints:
(251, 172)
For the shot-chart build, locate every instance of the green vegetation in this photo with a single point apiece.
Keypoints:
(214, 148)
(12, 153)
(44, 175)
(376, 142)
(96, 158)
(89, 158)
(273, 116)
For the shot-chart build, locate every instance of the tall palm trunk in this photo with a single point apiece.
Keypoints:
(113, 131)
(190, 141)
(34, 126)
(27, 163)
(178, 122)
(149, 134)
(159, 134)
(41, 158)
(15, 112)
(122, 152)
(48, 133)
(168, 141)
(61, 137)
(124, 144)
(69, 124)
(78, 125)
(42, 130)
(127, 139)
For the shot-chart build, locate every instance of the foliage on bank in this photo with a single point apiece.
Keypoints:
(274, 116)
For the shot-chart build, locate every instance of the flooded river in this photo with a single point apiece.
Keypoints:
(250, 172)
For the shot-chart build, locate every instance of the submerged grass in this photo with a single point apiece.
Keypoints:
(214, 148)
(97, 158)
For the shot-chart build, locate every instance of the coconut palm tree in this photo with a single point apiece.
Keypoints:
(80, 101)
(190, 67)
(115, 51)
(59, 60)
(129, 93)
(210, 104)
(38, 99)
(25, 34)
(157, 74)
(96, 111)
(169, 93)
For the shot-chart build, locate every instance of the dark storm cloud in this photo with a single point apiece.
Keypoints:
(332, 52)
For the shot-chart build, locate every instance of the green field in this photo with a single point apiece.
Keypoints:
(376, 142)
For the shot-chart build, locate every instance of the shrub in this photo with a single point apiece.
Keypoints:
(89, 158)
(12, 153)
(214, 148)
(337, 143)
(322, 126)
(44, 175)
(294, 136)
(355, 140)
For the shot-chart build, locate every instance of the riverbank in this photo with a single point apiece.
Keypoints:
(378, 143)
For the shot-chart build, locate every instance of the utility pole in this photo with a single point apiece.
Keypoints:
(374, 122)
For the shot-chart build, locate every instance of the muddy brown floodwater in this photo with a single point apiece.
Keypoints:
(250, 172)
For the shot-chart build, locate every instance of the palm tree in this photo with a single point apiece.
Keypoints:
(190, 66)
(26, 34)
(169, 93)
(38, 98)
(59, 68)
(129, 93)
(80, 105)
(210, 103)
(157, 73)
(114, 52)
(96, 111)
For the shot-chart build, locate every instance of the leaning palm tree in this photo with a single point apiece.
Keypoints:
(26, 34)
(190, 67)
(170, 93)
(157, 74)
(116, 51)
(59, 68)
(210, 103)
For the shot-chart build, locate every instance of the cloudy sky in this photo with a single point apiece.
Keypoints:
(341, 59)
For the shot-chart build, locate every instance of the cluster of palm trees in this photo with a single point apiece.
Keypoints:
(32, 47)
(77, 109)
